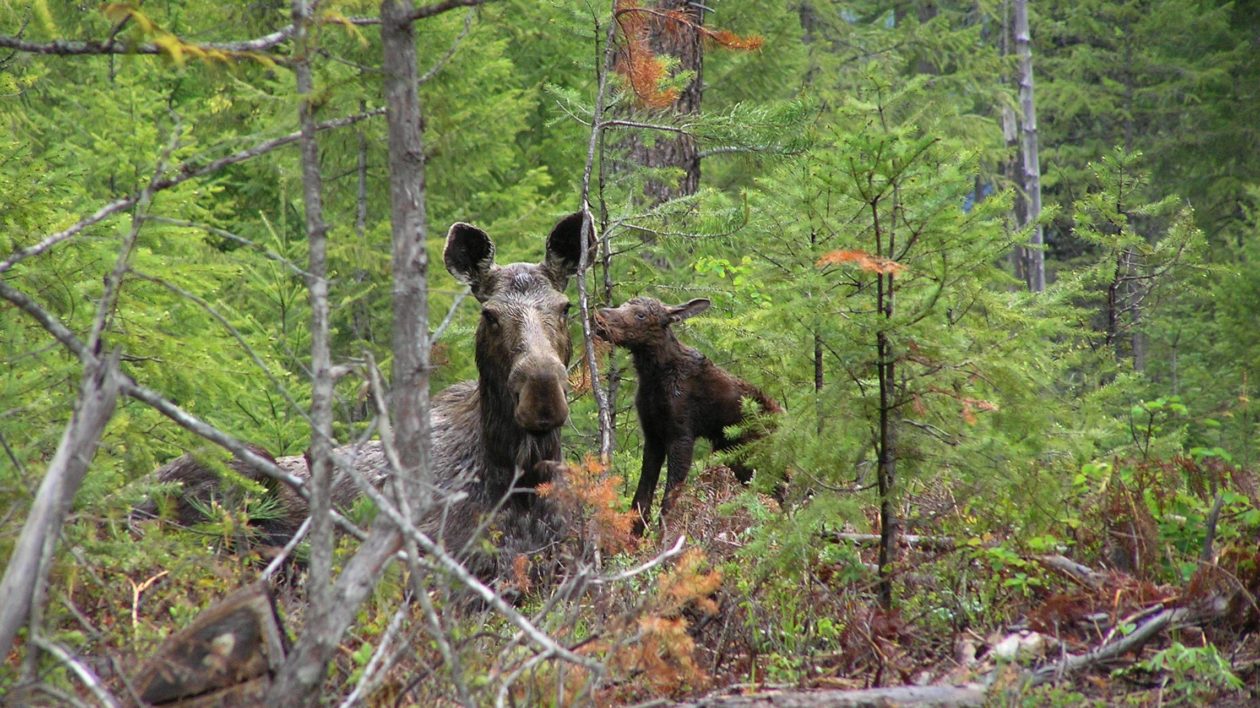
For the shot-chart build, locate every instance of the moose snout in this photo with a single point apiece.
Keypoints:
(541, 404)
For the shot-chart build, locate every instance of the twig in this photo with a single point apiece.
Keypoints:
(372, 672)
(136, 592)
(183, 173)
(278, 561)
(438, 8)
(224, 233)
(643, 567)
(85, 674)
(64, 47)
(450, 315)
(450, 52)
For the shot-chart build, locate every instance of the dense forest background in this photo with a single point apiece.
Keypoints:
(1004, 283)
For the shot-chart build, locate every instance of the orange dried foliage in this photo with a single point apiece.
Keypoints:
(866, 261)
(580, 379)
(685, 585)
(520, 572)
(730, 40)
(640, 65)
(664, 653)
(590, 494)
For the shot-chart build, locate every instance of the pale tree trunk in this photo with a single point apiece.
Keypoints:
(320, 457)
(1035, 273)
(299, 680)
(26, 570)
(410, 385)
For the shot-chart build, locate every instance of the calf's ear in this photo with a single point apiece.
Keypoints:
(691, 309)
(564, 249)
(469, 256)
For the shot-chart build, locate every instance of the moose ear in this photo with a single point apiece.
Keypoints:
(691, 309)
(469, 255)
(564, 249)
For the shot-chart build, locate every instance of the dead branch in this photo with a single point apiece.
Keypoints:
(940, 543)
(588, 233)
(1131, 642)
(183, 173)
(420, 13)
(1074, 571)
(97, 397)
(85, 674)
(970, 695)
(65, 47)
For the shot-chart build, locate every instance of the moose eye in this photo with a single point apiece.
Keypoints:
(564, 310)
(491, 319)
(640, 316)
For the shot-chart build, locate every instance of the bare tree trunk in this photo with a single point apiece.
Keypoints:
(300, 679)
(410, 384)
(605, 400)
(25, 572)
(1031, 183)
(320, 453)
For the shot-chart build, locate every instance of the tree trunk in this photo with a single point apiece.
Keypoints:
(320, 453)
(300, 679)
(681, 41)
(887, 440)
(1031, 184)
(409, 227)
(25, 571)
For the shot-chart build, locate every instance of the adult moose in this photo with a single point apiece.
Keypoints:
(494, 439)
(682, 395)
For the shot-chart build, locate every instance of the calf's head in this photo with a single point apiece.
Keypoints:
(523, 344)
(643, 322)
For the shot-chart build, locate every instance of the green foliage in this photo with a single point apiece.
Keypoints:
(1191, 675)
(851, 160)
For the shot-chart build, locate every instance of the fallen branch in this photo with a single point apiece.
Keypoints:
(1133, 641)
(940, 543)
(1076, 572)
(970, 695)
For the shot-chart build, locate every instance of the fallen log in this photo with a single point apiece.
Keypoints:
(225, 657)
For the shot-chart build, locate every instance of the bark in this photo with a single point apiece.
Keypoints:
(25, 571)
(605, 400)
(1031, 183)
(678, 150)
(320, 454)
(887, 442)
(300, 679)
(410, 375)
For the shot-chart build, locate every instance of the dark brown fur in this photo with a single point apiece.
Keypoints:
(494, 439)
(682, 395)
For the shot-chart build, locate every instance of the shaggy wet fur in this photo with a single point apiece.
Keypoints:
(494, 439)
(682, 395)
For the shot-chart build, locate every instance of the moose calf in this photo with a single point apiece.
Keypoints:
(682, 395)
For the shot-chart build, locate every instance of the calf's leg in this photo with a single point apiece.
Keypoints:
(680, 456)
(653, 458)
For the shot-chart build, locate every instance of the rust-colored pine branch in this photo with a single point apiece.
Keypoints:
(640, 65)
